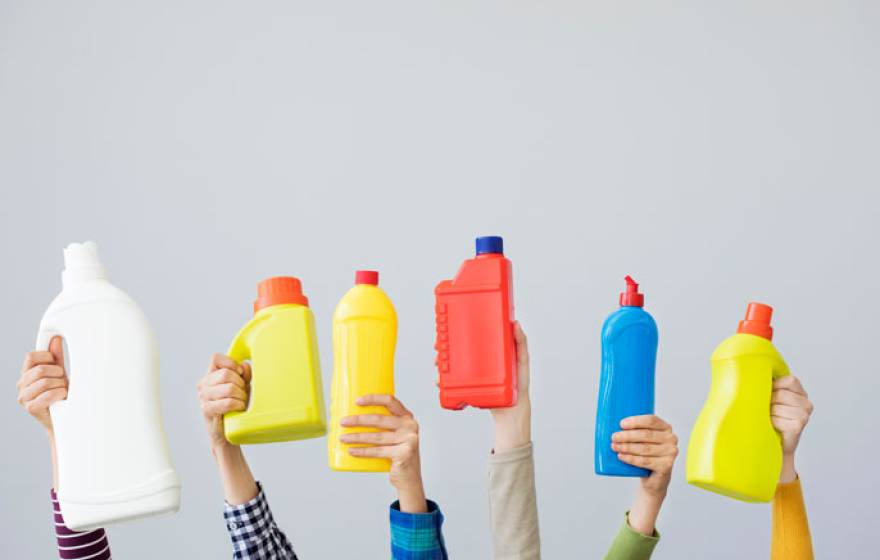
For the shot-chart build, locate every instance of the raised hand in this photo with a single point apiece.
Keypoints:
(647, 441)
(398, 440)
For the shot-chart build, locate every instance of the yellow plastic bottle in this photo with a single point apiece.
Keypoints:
(287, 399)
(364, 337)
(733, 448)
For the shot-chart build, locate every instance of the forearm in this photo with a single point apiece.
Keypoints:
(513, 508)
(644, 512)
(54, 452)
(239, 486)
(791, 539)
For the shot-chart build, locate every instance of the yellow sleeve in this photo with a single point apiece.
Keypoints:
(791, 532)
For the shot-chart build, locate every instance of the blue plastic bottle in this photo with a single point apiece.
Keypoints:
(626, 388)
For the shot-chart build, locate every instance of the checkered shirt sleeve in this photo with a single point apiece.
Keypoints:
(253, 531)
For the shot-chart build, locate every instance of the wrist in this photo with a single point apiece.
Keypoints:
(411, 497)
(513, 426)
(788, 473)
(646, 508)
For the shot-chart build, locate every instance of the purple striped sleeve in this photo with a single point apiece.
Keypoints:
(79, 545)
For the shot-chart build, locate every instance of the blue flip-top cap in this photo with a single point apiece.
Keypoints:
(490, 244)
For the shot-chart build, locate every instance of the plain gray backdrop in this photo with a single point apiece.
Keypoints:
(718, 152)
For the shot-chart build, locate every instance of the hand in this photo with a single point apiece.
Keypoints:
(790, 411)
(513, 426)
(43, 381)
(398, 441)
(648, 442)
(223, 389)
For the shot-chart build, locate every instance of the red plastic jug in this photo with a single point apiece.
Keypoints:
(476, 352)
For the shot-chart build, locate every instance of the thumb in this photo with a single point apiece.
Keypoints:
(56, 348)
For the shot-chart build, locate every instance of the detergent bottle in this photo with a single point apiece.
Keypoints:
(113, 458)
(733, 448)
(364, 337)
(626, 386)
(476, 351)
(286, 399)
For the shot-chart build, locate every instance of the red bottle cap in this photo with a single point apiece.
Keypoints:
(631, 297)
(370, 277)
(757, 321)
(278, 290)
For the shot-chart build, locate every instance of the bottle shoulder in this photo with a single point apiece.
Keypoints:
(741, 344)
(624, 318)
(89, 294)
(365, 301)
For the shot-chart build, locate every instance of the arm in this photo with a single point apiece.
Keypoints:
(248, 517)
(43, 381)
(649, 442)
(415, 522)
(513, 507)
(790, 411)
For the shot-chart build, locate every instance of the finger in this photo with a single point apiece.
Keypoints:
(45, 400)
(644, 449)
(39, 372)
(650, 421)
(56, 348)
(785, 396)
(221, 361)
(372, 438)
(382, 451)
(390, 402)
(224, 376)
(382, 421)
(32, 359)
(789, 412)
(639, 436)
(39, 387)
(787, 425)
(247, 372)
(791, 383)
(224, 391)
(637, 460)
(222, 406)
(522, 344)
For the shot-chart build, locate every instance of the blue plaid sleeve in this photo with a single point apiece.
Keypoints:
(254, 533)
(417, 536)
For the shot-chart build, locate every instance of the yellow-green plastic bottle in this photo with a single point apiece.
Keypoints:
(286, 399)
(364, 337)
(734, 449)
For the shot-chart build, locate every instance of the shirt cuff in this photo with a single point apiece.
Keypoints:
(249, 520)
(635, 544)
(416, 536)
(511, 455)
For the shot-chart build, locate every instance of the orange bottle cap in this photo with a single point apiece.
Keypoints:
(370, 277)
(757, 321)
(278, 290)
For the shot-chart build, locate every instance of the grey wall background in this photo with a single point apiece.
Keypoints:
(717, 153)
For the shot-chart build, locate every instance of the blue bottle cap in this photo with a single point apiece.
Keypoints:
(490, 244)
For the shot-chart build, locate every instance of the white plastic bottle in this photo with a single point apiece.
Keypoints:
(113, 458)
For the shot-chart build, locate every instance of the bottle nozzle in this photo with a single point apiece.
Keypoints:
(757, 321)
(631, 297)
(81, 263)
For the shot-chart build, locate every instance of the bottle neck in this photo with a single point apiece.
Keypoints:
(490, 256)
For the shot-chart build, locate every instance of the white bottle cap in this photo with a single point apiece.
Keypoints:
(81, 263)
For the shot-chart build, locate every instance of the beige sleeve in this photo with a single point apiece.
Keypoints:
(513, 505)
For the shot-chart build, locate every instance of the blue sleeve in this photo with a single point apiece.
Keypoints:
(417, 536)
